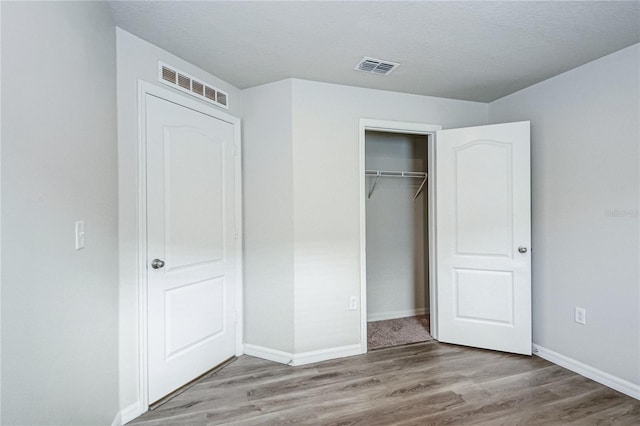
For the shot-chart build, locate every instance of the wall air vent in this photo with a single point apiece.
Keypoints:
(184, 82)
(376, 66)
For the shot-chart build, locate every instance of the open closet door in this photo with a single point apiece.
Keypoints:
(483, 235)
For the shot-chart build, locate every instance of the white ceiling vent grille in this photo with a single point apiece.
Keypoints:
(376, 66)
(184, 82)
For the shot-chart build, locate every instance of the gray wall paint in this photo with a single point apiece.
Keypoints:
(585, 190)
(59, 305)
(268, 216)
(326, 197)
(317, 189)
(0, 216)
(138, 60)
(396, 226)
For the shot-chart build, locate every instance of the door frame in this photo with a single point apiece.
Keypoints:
(428, 130)
(144, 89)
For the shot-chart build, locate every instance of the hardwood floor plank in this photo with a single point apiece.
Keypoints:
(292, 416)
(625, 414)
(528, 379)
(389, 412)
(423, 384)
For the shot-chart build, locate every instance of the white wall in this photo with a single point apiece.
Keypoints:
(326, 197)
(396, 226)
(138, 60)
(0, 217)
(315, 150)
(585, 191)
(59, 305)
(268, 216)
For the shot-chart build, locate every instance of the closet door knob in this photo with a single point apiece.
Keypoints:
(522, 249)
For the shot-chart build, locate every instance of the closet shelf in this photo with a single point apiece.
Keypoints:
(384, 173)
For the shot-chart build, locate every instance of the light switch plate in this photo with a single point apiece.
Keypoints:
(79, 234)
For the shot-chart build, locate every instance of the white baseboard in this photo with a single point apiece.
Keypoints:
(268, 353)
(117, 421)
(326, 354)
(381, 316)
(129, 413)
(304, 357)
(585, 370)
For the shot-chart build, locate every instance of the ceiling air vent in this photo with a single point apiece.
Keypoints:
(184, 82)
(376, 66)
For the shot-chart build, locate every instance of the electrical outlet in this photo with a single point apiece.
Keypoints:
(581, 316)
(353, 303)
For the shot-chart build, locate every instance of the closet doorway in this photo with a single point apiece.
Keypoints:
(396, 292)
(479, 232)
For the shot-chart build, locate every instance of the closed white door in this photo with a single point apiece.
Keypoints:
(190, 244)
(483, 237)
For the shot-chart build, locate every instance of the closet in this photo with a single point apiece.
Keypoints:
(396, 238)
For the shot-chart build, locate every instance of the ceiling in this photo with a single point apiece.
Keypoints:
(475, 50)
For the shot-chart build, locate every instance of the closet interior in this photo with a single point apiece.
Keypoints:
(397, 238)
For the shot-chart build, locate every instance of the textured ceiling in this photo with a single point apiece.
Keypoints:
(476, 50)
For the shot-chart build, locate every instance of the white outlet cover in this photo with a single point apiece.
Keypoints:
(353, 303)
(581, 316)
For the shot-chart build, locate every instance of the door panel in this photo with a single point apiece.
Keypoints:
(484, 296)
(191, 227)
(483, 216)
(483, 200)
(194, 213)
(193, 313)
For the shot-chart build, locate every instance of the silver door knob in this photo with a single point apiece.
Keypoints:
(521, 249)
(157, 263)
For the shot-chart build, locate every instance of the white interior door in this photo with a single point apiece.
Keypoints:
(190, 244)
(483, 234)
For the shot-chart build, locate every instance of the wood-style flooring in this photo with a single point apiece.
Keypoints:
(424, 384)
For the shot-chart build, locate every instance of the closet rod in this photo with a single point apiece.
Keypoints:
(385, 173)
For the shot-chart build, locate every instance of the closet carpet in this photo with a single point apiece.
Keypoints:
(398, 331)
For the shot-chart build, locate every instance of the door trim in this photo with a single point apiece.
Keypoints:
(144, 89)
(406, 128)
